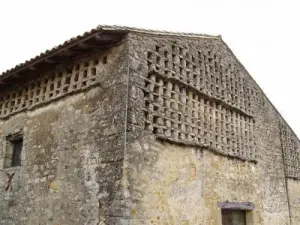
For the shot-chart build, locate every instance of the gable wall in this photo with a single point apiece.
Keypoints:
(204, 117)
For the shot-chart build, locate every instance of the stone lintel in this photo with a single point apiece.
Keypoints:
(247, 206)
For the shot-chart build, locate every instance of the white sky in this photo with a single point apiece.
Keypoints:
(263, 34)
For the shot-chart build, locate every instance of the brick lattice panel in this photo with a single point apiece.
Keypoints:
(195, 99)
(291, 150)
(51, 86)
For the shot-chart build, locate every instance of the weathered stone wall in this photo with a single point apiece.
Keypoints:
(291, 155)
(174, 184)
(291, 149)
(194, 94)
(294, 195)
(73, 152)
(272, 176)
(157, 130)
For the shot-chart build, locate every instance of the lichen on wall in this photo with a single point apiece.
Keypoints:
(157, 130)
(188, 94)
(294, 195)
(171, 184)
(72, 156)
(195, 95)
(291, 150)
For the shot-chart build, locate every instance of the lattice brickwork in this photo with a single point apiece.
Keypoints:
(204, 70)
(193, 98)
(291, 150)
(51, 86)
(180, 114)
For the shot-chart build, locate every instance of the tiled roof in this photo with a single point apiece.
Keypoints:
(102, 28)
(156, 32)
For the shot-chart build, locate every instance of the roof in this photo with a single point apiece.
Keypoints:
(101, 37)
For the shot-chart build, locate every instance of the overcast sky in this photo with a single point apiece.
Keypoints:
(263, 34)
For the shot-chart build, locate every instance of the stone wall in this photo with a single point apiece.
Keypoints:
(291, 149)
(291, 155)
(294, 195)
(196, 96)
(173, 184)
(157, 130)
(73, 129)
(194, 111)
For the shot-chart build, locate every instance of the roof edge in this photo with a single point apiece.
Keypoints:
(87, 35)
(157, 32)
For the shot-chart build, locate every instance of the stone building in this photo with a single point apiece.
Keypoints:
(129, 126)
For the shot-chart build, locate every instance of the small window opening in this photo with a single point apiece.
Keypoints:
(14, 148)
(233, 217)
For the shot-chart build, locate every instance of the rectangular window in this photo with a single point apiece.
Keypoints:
(236, 213)
(14, 145)
(233, 217)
